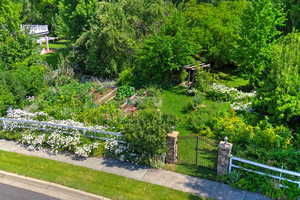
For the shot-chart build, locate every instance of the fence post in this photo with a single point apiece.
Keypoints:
(224, 153)
(172, 148)
(4, 124)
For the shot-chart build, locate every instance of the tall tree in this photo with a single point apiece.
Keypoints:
(74, 16)
(279, 95)
(108, 46)
(259, 30)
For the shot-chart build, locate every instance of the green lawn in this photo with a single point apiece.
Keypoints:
(100, 183)
(60, 47)
(175, 101)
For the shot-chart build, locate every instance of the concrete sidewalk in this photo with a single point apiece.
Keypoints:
(201, 187)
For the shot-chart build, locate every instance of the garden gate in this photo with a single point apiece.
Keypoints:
(196, 152)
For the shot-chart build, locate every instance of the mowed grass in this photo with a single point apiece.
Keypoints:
(175, 102)
(60, 48)
(99, 183)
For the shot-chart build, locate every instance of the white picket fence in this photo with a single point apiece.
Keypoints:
(273, 169)
(10, 123)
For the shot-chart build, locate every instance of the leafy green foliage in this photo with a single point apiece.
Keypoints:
(279, 96)
(204, 79)
(39, 12)
(160, 59)
(250, 181)
(73, 17)
(6, 99)
(146, 134)
(259, 30)
(117, 27)
(216, 28)
(124, 92)
(15, 45)
(66, 102)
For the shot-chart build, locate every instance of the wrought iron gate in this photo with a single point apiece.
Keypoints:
(197, 151)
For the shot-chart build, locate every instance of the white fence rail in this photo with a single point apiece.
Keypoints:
(274, 169)
(10, 123)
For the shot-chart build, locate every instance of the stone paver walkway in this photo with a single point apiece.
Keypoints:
(201, 187)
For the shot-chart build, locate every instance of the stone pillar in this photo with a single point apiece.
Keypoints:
(172, 151)
(224, 154)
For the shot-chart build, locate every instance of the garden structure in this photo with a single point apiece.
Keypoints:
(192, 71)
(41, 32)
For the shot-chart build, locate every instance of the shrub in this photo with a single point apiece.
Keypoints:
(146, 133)
(250, 181)
(279, 95)
(161, 57)
(204, 116)
(6, 99)
(66, 102)
(107, 114)
(241, 133)
(124, 92)
(203, 80)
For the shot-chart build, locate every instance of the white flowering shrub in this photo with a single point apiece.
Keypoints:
(85, 150)
(58, 142)
(222, 92)
(19, 119)
(118, 150)
(65, 135)
(33, 142)
(22, 114)
(241, 106)
(240, 100)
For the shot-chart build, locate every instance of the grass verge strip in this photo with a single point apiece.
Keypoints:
(92, 181)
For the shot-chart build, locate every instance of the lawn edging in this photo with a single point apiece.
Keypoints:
(47, 188)
(88, 180)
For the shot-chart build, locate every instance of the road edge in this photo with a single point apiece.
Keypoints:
(46, 188)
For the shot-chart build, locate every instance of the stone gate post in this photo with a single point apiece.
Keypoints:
(224, 153)
(172, 147)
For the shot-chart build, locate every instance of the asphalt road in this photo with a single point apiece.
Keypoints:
(8, 192)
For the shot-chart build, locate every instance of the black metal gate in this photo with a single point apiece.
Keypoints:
(198, 152)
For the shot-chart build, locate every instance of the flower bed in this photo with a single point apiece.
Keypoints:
(241, 101)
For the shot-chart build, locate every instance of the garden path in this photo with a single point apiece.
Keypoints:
(185, 183)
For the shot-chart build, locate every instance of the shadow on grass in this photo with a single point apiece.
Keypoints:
(196, 171)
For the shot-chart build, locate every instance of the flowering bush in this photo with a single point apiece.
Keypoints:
(34, 142)
(58, 142)
(58, 126)
(240, 106)
(224, 93)
(22, 114)
(85, 150)
(240, 100)
(121, 151)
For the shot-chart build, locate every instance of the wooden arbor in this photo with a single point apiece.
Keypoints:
(192, 71)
